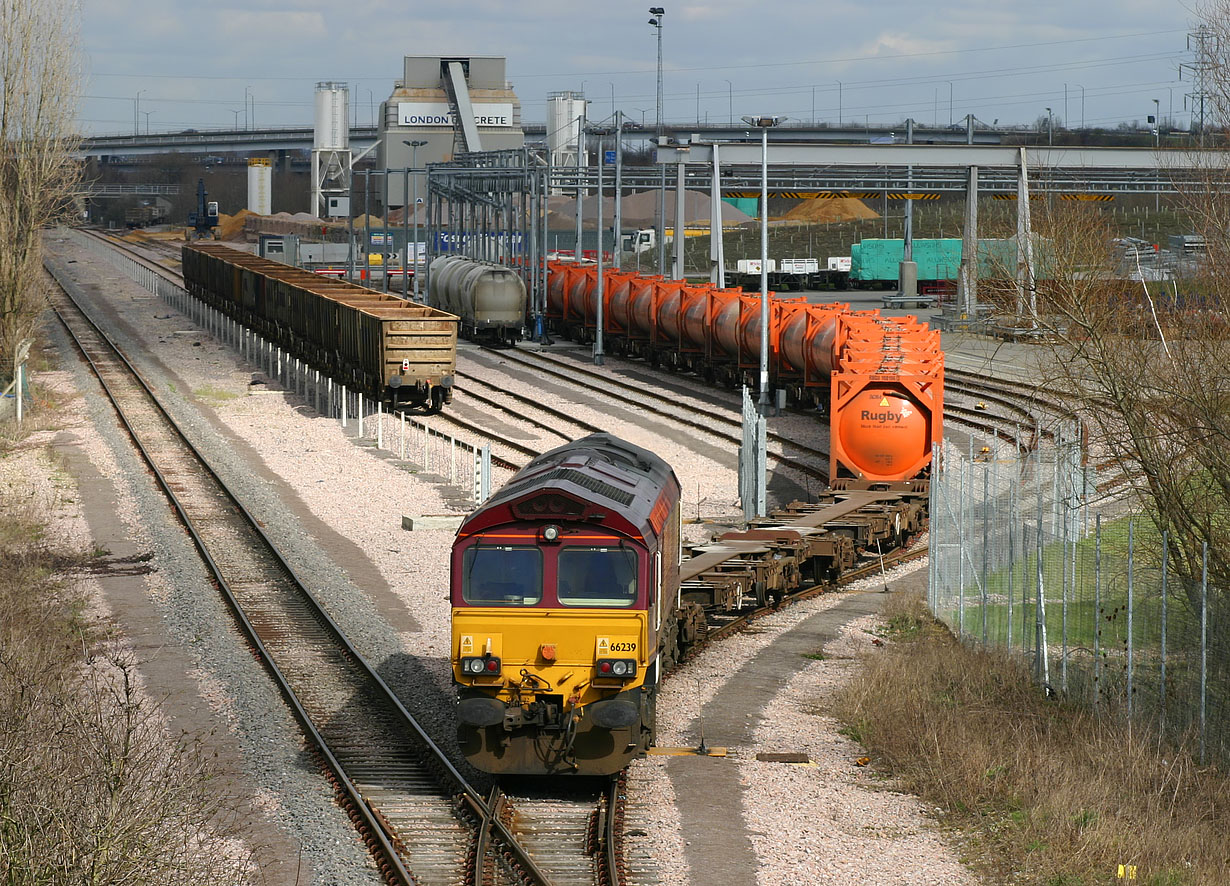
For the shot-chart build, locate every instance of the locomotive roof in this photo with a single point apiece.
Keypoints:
(624, 479)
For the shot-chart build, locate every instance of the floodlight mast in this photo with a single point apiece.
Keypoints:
(764, 123)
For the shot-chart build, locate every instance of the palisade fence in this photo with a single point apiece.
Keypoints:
(1027, 554)
(460, 463)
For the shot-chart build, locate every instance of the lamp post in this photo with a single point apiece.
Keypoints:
(764, 123)
(246, 91)
(414, 163)
(839, 104)
(949, 103)
(1050, 127)
(730, 100)
(1157, 146)
(235, 111)
(598, 356)
(1082, 89)
(656, 13)
(147, 113)
(136, 113)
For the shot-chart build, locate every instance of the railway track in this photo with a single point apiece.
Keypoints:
(573, 829)
(637, 396)
(414, 811)
(726, 626)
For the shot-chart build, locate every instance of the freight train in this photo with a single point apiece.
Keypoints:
(880, 380)
(394, 351)
(572, 597)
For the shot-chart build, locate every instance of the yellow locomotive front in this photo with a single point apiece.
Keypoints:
(558, 609)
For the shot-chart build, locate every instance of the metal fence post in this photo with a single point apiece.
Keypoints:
(401, 438)
(1130, 611)
(1043, 662)
(932, 545)
(1165, 570)
(1097, 608)
(961, 506)
(485, 474)
(359, 396)
(379, 425)
(1063, 587)
(344, 405)
(1204, 647)
(986, 542)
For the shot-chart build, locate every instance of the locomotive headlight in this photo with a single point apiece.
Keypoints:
(550, 534)
(475, 667)
(621, 668)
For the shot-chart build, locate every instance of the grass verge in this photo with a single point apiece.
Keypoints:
(1051, 793)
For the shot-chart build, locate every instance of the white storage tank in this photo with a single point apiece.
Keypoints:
(260, 186)
(332, 132)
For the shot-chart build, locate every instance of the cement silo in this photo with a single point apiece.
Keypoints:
(331, 155)
(260, 185)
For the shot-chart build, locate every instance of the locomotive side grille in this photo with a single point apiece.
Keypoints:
(605, 489)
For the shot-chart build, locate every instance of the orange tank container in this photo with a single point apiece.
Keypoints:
(611, 282)
(886, 396)
(666, 317)
(736, 330)
(882, 428)
(805, 336)
(632, 306)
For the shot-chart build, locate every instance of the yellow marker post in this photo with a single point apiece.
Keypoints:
(1127, 872)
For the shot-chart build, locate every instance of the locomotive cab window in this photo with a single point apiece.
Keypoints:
(502, 575)
(596, 576)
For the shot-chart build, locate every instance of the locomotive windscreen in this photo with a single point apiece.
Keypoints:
(592, 576)
(502, 576)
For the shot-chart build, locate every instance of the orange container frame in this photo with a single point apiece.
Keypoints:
(925, 391)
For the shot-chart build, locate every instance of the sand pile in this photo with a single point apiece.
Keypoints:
(831, 209)
(230, 227)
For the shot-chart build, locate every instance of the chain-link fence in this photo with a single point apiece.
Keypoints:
(1031, 551)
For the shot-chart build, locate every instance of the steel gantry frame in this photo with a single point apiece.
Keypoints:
(492, 205)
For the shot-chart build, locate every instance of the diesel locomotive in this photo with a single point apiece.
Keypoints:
(566, 611)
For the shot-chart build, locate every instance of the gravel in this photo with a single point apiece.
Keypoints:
(831, 821)
(318, 495)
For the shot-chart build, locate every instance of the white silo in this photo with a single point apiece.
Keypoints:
(260, 185)
(331, 155)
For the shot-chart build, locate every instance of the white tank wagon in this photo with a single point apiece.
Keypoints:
(490, 299)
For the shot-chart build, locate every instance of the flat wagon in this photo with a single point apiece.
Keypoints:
(402, 353)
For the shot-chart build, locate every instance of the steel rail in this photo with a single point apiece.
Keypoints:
(549, 410)
(568, 371)
(381, 839)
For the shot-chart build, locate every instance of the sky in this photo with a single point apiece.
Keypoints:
(174, 65)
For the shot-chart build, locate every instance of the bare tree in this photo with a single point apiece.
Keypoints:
(1148, 367)
(40, 79)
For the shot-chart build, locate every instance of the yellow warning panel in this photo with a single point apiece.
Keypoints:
(686, 752)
